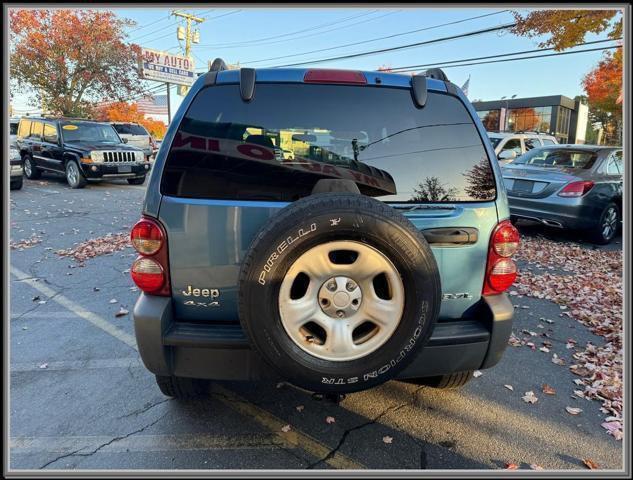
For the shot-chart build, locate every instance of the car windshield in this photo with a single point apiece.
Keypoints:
(89, 132)
(129, 129)
(556, 158)
(495, 141)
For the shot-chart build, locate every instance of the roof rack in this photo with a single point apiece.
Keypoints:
(218, 65)
(436, 73)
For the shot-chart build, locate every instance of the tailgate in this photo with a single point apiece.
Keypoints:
(208, 240)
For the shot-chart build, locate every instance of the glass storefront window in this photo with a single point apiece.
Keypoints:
(490, 119)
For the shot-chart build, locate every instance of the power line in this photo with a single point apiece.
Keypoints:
(401, 47)
(171, 33)
(524, 58)
(257, 40)
(379, 38)
(408, 67)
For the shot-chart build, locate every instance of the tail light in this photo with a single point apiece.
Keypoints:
(576, 189)
(334, 76)
(150, 271)
(501, 271)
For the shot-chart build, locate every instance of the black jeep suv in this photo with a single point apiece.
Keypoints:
(82, 150)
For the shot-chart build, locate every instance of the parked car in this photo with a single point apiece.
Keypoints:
(13, 129)
(335, 276)
(15, 168)
(136, 136)
(82, 150)
(508, 146)
(568, 186)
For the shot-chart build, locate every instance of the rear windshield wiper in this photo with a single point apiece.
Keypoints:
(411, 208)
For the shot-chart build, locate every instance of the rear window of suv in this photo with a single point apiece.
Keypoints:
(288, 137)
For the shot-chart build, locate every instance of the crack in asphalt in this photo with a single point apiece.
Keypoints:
(103, 445)
(392, 409)
(35, 307)
(145, 409)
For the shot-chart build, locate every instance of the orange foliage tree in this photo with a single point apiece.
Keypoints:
(603, 86)
(129, 112)
(67, 58)
(567, 28)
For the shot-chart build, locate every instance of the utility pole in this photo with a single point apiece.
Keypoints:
(189, 38)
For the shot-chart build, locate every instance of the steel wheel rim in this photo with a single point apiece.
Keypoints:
(365, 325)
(27, 167)
(609, 224)
(72, 174)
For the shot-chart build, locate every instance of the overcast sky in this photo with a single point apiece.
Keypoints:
(248, 35)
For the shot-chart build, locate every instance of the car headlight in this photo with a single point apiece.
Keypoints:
(96, 156)
(14, 154)
(139, 156)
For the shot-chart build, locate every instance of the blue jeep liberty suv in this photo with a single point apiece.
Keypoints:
(331, 229)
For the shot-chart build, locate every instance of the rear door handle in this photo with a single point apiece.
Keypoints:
(451, 237)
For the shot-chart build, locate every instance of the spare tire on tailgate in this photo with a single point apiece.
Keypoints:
(338, 292)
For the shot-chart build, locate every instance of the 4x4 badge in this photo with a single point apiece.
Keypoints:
(192, 303)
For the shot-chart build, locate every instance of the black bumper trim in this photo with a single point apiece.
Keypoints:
(181, 334)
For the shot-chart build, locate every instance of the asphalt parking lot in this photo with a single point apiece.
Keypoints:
(81, 399)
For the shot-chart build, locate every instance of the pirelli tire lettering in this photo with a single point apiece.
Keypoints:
(281, 248)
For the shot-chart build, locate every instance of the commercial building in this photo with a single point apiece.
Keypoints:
(557, 115)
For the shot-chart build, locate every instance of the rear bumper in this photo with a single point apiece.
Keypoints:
(222, 352)
(560, 212)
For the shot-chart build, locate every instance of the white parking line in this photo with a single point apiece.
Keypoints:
(294, 437)
(93, 364)
(77, 309)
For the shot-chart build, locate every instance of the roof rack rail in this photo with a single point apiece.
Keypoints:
(218, 65)
(436, 73)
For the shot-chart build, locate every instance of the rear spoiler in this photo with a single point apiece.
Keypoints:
(247, 81)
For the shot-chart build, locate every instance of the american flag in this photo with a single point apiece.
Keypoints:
(153, 105)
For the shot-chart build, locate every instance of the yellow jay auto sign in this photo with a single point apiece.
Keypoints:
(166, 67)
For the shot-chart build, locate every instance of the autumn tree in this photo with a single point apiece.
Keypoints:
(603, 86)
(567, 28)
(70, 58)
(129, 112)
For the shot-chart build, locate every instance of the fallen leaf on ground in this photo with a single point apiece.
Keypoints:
(534, 466)
(387, 439)
(590, 464)
(44, 365)
(330, 420)
(114, 300)
(121, 313)
(548, 390)
(509, 387)
(299, 408)
(544, 349)
(511, 466)
(573, 410)
(97, 246)
(529, 397)
(477, 373)
(285, 428)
